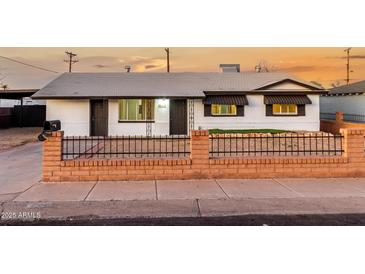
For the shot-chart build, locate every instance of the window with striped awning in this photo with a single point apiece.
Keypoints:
(287, 99)
(224, 105)
(238, 100)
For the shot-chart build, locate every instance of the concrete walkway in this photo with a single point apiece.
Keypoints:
(195, 198)
(225, 189)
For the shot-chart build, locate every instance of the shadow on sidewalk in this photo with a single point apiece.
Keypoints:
(246, 220)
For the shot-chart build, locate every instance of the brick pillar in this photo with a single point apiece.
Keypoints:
(199, 147)
(52, 150)
(353, 144)
(339, 117)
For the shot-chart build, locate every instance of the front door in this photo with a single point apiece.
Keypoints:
(98, 117)
(178, 117)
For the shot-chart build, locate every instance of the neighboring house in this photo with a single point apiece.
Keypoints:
(349, 99)
(100, 104)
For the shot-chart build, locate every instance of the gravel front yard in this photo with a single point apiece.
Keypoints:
(13, 137)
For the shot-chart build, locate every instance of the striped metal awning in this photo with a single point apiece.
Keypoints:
(238, 100)
(287, 99)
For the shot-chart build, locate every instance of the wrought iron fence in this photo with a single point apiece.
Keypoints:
(360, 118)
(354, 117)
(80, 147)
(306, 144)
(327, 116)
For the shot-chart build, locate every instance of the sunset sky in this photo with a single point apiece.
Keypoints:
(323, 65)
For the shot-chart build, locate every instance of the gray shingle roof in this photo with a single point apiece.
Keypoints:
(86, 85)
(357, 87)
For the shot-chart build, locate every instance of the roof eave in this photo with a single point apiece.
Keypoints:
(253, 92)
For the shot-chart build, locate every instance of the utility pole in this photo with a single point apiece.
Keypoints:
(127, 68)
(70, 61)
(168, 59)
(348, 66)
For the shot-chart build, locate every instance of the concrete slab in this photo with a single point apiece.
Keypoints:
(356, 183)
(20, 168)
(189, 189)
(254, 188)
(320, 187)
(57, 192)
(105, 209)
(128, 190)
(234, 207)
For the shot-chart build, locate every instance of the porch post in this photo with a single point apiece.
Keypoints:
(149, 117)
(191, 114)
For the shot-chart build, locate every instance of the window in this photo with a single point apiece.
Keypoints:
(285, 109)
(136, 110)
(224, 110)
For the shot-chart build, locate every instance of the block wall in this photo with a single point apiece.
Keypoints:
(200, 166)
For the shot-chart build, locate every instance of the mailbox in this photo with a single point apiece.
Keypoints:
(52, 125)
(48, 127)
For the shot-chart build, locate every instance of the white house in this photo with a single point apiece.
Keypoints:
(349, 99)
(173, 103)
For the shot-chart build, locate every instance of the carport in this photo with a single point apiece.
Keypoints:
(14, 94)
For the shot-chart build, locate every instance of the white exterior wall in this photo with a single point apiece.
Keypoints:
(289, 86)
(255, 117)
(159, 127)
(73, 114)
(75, 117)
(350, 104)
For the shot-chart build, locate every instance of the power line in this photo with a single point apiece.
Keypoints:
(29, 65)
(70, 61)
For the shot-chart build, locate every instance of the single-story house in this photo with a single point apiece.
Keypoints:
(102, 104)
(349, 99)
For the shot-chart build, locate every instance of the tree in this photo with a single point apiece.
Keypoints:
(264, 66)
(336, 84)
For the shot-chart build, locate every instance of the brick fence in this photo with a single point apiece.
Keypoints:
(334, 126)
(199, 165)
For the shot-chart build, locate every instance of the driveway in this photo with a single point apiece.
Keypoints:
(20, 168)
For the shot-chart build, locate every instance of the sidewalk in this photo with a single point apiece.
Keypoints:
(192, 198)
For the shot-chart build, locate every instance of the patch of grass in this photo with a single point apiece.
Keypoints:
(217, 130)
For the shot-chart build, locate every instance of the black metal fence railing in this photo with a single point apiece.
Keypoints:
(77, 147)
(327, 116)
(360, 118)
(354, 117)
(306, 144)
